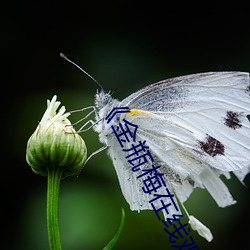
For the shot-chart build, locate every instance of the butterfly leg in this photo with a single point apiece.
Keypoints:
(96, 152)
(86, 116)
(92, 154)
(83, 109)
(83, 129)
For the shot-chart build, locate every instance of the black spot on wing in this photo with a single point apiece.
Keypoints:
(233, 119)
(212, 146)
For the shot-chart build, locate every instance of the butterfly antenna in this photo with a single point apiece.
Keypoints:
(86, 73)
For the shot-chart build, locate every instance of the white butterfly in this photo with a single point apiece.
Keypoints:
(195, 126)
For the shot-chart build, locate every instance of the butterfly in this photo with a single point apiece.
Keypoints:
(196, 128)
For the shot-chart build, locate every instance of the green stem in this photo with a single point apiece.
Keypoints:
(54, 177)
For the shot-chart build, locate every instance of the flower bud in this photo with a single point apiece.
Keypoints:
(55, 144)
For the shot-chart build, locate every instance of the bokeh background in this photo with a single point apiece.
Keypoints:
(125, 45)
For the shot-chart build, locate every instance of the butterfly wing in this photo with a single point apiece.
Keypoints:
(131, 185)
(196, 128)
(211, 106)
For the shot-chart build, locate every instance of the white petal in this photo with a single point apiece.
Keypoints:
(51, 114)
(200, 228)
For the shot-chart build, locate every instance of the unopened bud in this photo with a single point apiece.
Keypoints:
(55, 143)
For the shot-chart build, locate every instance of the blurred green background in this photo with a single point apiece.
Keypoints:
(125, 47)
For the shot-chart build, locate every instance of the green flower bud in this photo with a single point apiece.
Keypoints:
(55, 144)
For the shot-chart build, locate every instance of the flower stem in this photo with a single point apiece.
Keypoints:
(54, 177)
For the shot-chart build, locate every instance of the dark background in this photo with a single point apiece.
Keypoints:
(125, 45)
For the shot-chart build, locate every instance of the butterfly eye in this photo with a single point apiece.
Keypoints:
(106, 99)
(102, 99)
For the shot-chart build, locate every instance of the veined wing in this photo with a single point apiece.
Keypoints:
(176, 93)
(131, 185)
(174, 149)
(210, 109)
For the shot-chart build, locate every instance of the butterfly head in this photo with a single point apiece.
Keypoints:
(102, 99)
(104, 104)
